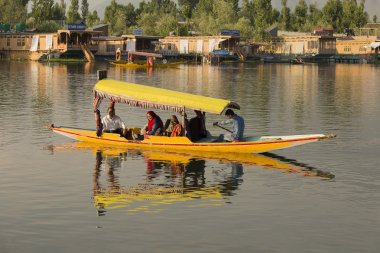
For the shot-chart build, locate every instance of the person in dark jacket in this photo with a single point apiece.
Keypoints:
(197, 126)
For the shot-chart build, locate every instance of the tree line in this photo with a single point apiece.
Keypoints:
(160, 17)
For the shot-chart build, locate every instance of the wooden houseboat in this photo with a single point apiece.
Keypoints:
(35, 46)
(357, 49)
(108, 45)
(319, 46)
(203, 47)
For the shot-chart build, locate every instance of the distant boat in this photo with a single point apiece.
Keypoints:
(150, 61)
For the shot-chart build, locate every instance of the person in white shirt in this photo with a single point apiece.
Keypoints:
(113, 123)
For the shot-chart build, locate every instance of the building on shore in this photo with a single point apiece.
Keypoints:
(357, 49)
(318, 46)
(66, 43)
(210, 49)
(107, 45)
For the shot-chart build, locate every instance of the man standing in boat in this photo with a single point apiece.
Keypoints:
(237, 126)
(113, 123)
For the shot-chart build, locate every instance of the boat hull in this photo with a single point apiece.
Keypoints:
(252, 145)
(145, 65)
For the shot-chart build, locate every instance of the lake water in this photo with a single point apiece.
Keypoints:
(60, 196)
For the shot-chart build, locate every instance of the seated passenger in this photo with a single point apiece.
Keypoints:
(113, 123)
(154, 125)
(197, 126)
(173, 127)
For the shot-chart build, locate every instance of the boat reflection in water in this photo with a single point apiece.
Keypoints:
(172, 177)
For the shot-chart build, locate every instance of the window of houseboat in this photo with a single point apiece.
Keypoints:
(347, 49)
(8, 42)
(111, 48)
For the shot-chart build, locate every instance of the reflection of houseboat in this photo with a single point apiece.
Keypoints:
(108, 45)
(34, 46)
(316, 47)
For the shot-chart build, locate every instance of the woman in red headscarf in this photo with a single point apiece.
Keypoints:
(155, 125)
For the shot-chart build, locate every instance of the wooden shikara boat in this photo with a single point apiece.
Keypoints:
(158, 98)
(150, 61)
(126, 64)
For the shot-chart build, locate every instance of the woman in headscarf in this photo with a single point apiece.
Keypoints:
(173, 127)
(154, 126)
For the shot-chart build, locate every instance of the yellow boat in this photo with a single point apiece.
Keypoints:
(131, 65)
(158, 98)
(150, 61)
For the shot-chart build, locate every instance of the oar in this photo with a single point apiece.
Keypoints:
(228, 130)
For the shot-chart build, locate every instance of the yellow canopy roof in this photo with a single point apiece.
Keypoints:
(158, 98)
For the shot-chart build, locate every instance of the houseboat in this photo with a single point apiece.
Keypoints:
(108, 45)
(35, 46)
(319, 46)
(357, 49)
(208, 48)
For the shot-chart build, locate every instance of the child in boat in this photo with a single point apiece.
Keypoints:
(237, 126)
(113, 123)
(154, 125)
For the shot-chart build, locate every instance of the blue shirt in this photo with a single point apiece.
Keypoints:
(237, 126)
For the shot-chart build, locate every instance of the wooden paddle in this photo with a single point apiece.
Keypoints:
(228, 130)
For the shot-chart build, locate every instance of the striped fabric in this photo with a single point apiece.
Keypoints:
(133, 102)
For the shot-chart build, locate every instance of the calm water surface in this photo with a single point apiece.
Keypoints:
(60, 196)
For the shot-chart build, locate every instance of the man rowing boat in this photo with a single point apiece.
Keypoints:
(237, 126)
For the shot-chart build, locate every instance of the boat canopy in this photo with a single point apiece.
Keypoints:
(151, 97)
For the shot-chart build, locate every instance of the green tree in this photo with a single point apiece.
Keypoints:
(48, 26)
(120, 17)
(211, 16)
(247, 11)
(12, 12)
(187, 6)
(84, 9)
(73, 14)
(244, 26)
(235, 5)
(300, 15)
(348, 13)
(285, 17)
(42, 10)
(314, 17)
(275, 15)
(362, 16)
(332, 14)
(59, 10)
(92, 19)
(263, 18)
(374, 19)
(166, 24)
